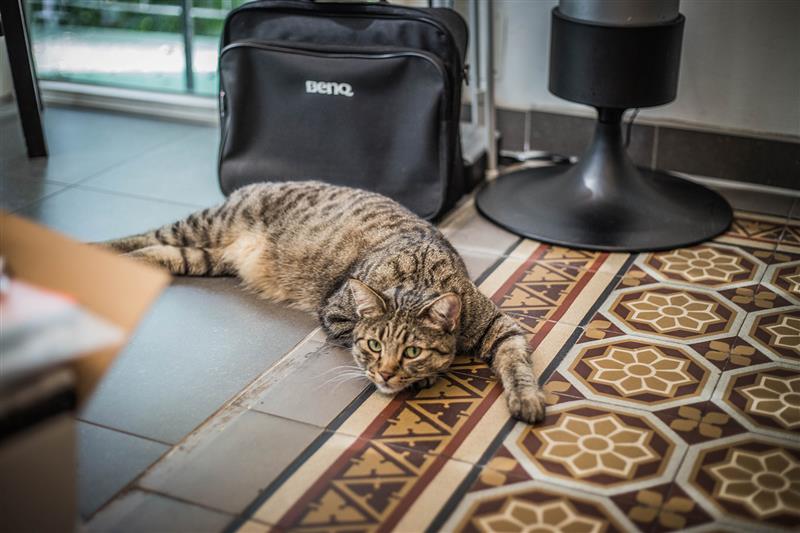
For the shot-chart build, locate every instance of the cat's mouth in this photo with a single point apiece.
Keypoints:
(386, 387)
(387, 390)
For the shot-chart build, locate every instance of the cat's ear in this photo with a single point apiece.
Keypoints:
(369, 304)
(442, 313)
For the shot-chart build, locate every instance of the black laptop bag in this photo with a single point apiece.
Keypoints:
(364, 95)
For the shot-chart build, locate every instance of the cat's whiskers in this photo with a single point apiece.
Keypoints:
(345, 376)
(337, 381)
(340, 368)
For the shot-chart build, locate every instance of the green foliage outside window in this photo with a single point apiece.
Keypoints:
(138, 15)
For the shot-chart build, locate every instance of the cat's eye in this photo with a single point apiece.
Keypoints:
(411, 352)
(374, 345)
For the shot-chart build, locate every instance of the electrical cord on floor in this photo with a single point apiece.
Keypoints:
(630, 125)
(513, 159)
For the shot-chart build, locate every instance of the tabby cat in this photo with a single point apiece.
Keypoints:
(381, 280)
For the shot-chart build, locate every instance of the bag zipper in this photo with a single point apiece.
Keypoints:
(365, 11)
(338, 51)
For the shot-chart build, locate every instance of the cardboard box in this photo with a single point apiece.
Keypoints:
(38, 464)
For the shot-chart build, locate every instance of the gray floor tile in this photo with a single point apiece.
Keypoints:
(183, 171)
(471, 231)
(477, 263)
(82, 142)
(89, 215)
(17, 192)
(13, 144)
(203, 341)
(139, 512)
(227, 467)
(107, 461)
(313, 389)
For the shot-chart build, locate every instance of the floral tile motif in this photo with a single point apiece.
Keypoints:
(635, 372)
(674, 313)
(766, 398)
(776, 331)
(672, 511)
(791, 234)
(539, 507)
(673, 404)
(606, 450)
(700, 422)
(754, 298)
(785, 277)
(731, 352)
(753, 230)
(710, 265)
(748, 477)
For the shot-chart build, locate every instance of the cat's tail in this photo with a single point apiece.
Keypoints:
(196, 245)
(213, 227)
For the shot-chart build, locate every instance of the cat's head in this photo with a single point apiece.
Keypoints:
(398, 341)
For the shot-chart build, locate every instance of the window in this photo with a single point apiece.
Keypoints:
(139, 44)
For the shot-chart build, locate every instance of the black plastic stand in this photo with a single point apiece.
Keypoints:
(604, 202)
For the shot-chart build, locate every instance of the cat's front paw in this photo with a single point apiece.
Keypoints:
(424, 383)
(526, 404)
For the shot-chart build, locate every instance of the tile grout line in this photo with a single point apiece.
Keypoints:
(89, 188)
(132, 195)
(229, 404)
(123, 432)
(42, 198)
(182, 500)
(331, 429)
(79, 184)
(172, 141)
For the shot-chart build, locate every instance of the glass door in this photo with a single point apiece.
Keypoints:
(160, 45)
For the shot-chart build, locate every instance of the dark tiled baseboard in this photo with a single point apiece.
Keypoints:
(721, 155)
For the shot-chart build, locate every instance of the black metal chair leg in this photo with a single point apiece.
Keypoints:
(23, 72)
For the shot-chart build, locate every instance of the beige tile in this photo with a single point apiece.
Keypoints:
(478, 262)
(469, 231)
(139, 511)
(395, 470)
(229, 462)
(252, 526)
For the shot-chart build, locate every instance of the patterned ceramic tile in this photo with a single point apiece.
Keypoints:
(775, 331)
(538, 507)
(754, 230)
(765, 398)
(746, 477)
(785, 277)
(673, 386)
(636, 372)
(674, 313)
(708, 265)
(601, 449)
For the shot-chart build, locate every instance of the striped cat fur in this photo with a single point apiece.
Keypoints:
(381, 281)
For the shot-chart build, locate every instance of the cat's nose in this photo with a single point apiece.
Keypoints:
(386, 375)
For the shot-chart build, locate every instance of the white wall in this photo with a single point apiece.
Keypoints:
(740, 68)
